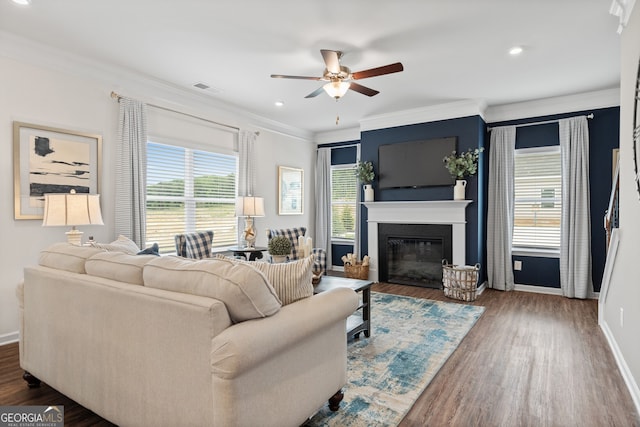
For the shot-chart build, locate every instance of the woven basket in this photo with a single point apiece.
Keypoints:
(460, 282)
(357, 271)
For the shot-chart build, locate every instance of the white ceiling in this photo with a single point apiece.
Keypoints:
(451, 50)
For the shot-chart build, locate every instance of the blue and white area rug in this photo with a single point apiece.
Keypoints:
(411, 339)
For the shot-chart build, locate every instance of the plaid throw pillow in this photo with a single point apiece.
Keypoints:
(198, 245)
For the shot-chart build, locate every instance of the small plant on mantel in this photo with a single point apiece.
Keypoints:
(364, 172)
(464, 164)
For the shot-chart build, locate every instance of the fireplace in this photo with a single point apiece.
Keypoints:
(411, 254)
(449, 213)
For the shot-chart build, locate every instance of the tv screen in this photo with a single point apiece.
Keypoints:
(415, 164)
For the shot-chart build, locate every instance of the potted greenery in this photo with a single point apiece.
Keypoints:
(461, 166)
(279, 248)
(364, 172)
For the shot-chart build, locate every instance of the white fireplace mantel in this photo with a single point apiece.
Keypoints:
(452, 212)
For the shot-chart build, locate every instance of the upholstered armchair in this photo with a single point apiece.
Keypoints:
(320, 263)
(194, 245)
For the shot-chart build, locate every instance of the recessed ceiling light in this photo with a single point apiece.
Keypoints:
(279, 103)
(516, 50)
(22, 2)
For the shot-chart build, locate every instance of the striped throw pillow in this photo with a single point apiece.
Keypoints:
(291, 280)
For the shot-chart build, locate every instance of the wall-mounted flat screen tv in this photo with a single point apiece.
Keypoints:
(415, 164)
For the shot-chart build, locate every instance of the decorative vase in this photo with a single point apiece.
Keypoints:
(277, 259)
(368, 193)
(459, 189)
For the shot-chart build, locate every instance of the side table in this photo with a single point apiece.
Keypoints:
(250, 254)
(359, 321)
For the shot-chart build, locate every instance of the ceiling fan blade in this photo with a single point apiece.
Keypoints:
(331, 59)
(363, 89)
(315, 93)
(378, 71)
(281, 76)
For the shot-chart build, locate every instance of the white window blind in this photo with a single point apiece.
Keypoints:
(344, 187)
(190, 190)
(538, 197)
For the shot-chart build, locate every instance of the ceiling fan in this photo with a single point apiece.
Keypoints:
(340, 78)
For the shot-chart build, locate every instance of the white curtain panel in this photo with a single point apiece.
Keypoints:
(575, 234)
(323, 202)
(247, 177)
(500, 208)
(131, 171)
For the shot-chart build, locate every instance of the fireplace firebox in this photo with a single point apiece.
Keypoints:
(412, 254)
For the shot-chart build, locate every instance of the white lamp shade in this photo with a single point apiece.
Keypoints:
(249, 206)
(336, 89)
(71, 209)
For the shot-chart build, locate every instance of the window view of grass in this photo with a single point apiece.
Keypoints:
(190, 190)
(344, 189)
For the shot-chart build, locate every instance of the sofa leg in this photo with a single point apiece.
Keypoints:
(334, 401)
(32, 381)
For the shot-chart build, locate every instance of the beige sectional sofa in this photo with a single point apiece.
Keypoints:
(163, 341)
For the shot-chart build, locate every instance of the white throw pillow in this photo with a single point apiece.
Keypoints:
(291, 280)
(121, 244)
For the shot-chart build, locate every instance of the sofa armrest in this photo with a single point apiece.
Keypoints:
(245, 345)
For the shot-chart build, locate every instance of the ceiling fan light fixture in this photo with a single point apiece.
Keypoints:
(336, 89)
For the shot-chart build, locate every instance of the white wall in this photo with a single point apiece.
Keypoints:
(54, 97)
(624, 287)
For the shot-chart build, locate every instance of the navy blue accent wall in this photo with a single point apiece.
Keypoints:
(604, 134)
(471, 133)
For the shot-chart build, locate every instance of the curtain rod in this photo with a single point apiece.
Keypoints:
(589, 116)
(117, 97)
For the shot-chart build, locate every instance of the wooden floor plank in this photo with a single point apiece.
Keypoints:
(531, 360)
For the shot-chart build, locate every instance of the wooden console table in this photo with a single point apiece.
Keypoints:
(360, 321)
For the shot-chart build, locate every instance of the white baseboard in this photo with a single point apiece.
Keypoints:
(538, 289)
(622, 365)
(9, 338)
(481, 289)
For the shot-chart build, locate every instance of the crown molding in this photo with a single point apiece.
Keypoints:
(143, 87)
(431, 113)
(556, 105)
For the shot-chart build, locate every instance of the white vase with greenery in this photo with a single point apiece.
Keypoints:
(364, 172)
(461, 166)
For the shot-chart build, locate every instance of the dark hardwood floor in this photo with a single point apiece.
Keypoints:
(531, 360)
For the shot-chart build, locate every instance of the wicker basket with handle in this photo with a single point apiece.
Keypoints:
(356, 271)
(460, 281)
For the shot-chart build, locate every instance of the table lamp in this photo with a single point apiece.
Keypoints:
(72, 209)
(249, 207)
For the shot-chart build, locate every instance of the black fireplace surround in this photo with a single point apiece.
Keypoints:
(412, 254)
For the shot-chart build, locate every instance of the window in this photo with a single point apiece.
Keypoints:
(538, 199)
(189, 190)
(344, 187)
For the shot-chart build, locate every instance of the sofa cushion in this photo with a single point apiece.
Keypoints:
(68, 257)
(245, 291)
(291, 280)
(121, 244)
(118, 266)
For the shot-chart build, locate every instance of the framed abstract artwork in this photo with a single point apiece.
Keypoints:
(290, 191)
(51, 160)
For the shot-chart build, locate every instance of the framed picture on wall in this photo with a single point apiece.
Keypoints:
(51, 160)
(290, 191)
